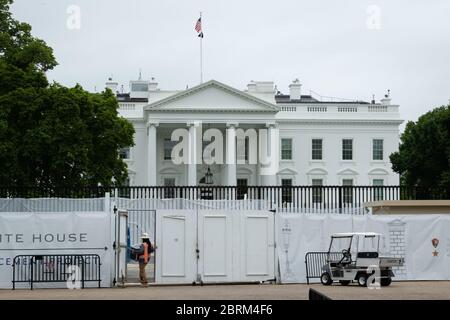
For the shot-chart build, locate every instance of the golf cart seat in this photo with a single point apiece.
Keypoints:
(345, 260)
(368, 255)
(340, 263)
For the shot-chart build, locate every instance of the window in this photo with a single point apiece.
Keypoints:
(317, 149)
(286, 191)
(347, 149)
(125, 153)
(169, 192)
(347, 191)
(243, 149)
(377, 149)
(286, 149)
(378, 189)
(241, 188)
(139, 87)
(317, 192)
(168, 146)
(247, 147)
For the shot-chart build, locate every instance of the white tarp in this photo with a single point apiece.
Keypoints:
(408, 236)
(51, 204)
(54, 233)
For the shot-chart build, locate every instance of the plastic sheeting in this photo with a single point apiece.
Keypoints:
(51, 205)
(413, 237)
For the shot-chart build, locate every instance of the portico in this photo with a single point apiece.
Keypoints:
(228, 117)
(226, 168)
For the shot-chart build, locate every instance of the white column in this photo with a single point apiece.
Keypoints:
(151, 153)
(231, 154)
(273, 146)
(193, 155)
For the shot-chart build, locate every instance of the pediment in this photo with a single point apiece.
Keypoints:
(169, 170)
(287, 171)
(317, 171)
(244, 171)
(378, 171)
(348, 172)
(212, 96)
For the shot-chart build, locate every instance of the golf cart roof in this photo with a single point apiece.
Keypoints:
(351, 234)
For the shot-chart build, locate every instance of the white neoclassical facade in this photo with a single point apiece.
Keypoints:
(319, 143)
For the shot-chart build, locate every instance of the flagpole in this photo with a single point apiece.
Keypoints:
(201, 54)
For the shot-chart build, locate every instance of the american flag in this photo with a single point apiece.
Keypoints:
(198, 27)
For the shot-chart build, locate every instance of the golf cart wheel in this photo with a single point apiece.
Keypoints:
(326, 279)
(344, 282)
(385, 281)
(362, 280)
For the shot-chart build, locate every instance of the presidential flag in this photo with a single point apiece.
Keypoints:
(198, 27)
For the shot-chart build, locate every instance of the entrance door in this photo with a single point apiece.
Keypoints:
(241, 188)
(169, 192)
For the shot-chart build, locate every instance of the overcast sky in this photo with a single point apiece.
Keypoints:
(347, 48)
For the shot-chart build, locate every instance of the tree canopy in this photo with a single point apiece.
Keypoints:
(423, 158)
(50, 135)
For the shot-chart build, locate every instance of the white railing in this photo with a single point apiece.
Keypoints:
(378, 109)
(289, 108)
(347, 109)
(364, 108)
(127, 106)
(317, 109)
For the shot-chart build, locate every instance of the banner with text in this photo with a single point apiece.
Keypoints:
(54, 233)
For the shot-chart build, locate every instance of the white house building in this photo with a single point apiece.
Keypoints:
(320, 143)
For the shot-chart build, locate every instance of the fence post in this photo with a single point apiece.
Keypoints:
(31, 276)
(82, 271)
(306, 263)
(340, 198)
(14, 273)
(99, 270)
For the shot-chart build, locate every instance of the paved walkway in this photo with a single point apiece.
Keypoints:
(398, 290)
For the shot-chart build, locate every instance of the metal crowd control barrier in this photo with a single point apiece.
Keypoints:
(54, 268)
(316, 260)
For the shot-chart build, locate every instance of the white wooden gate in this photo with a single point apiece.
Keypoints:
(214, 246)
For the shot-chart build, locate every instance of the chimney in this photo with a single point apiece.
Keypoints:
(295, 90)
(251, 87)
(152, 85)
(387, 98)
(110, 84)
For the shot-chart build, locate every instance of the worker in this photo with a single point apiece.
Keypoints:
(144, 258)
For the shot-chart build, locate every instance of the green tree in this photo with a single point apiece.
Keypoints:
(50, 135)
(423, 158)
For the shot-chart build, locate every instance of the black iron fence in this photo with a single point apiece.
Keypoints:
(339, 199)
(66, 268)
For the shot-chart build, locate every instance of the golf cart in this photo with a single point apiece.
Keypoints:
(353, 257)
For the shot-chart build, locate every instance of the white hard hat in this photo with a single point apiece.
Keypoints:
(145, 236)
